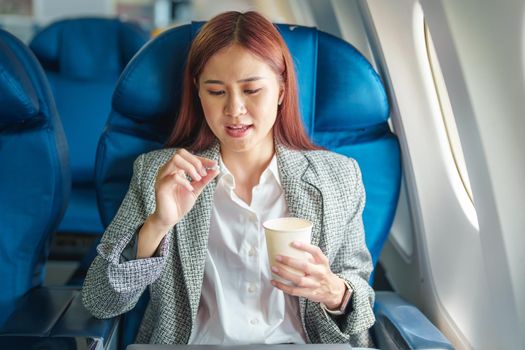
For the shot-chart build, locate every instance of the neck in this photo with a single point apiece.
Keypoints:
(248, 166)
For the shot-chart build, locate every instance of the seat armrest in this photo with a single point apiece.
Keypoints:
(77, 321)
(400, 325)
(55, 315)
(26, 320)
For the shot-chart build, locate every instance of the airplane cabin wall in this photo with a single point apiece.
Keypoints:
(46, 11)
(489, 40)
(455, 258)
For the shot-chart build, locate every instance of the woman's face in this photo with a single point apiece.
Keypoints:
(239, 94)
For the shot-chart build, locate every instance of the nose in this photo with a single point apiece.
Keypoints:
(234, 106)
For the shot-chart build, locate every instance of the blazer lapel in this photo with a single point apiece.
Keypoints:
(302, 193)
(192, 237)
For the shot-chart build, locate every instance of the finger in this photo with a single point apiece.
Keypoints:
(180, 162)
(303, 266)
(170, 166)
(292, 290)
(207, 163)
(165, 170)
(199, 185)
(196, 161)
(199, 162)
(315, 251)
(181, 180)
(300, 281)
(166, 178)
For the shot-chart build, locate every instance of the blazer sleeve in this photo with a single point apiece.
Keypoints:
(354, 264)
(114, 284)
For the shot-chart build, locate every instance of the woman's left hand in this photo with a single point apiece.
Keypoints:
(317, 283)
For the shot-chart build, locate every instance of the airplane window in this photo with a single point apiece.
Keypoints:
(447, 114)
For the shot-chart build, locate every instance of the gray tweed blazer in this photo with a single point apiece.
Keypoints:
(320, 186)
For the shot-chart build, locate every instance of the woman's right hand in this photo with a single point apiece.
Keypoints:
(175, 195)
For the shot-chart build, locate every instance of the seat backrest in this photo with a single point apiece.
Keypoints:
(342, 101)
(83, 58)
(34, 177)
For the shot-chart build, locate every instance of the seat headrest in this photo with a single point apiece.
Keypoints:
(18, 95)
(349, 91)
(88, 48)
(338, 88)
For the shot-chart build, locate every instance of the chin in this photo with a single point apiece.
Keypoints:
(246, 144)
(240, 146)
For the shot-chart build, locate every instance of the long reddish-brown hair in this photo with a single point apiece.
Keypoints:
(257, 34)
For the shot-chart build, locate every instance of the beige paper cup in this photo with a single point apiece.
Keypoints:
(280, 233)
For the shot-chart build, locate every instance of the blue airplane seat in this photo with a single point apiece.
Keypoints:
(83, 58)
(344, 107)
(35, 179)
(346, 111)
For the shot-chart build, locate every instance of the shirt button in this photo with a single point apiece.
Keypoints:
(254, 217)
(254, 321)
(252, 288)
(252, 252)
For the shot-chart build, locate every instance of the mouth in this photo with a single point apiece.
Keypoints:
(238, 126)
(238, 130)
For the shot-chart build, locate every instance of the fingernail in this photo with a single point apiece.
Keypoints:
(203, 171)
(297, 244)
(279, 258)
(214, 168)
(275, 269)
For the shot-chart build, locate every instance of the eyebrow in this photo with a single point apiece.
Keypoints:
(239, 81)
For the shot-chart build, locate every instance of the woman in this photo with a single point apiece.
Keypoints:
(190, 224)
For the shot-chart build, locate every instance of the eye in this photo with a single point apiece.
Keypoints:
(252, 91)
(216, 93)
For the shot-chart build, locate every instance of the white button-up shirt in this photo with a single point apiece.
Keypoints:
(238, 304)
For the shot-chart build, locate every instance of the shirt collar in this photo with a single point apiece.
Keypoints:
(274, 169)
(227, 177)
